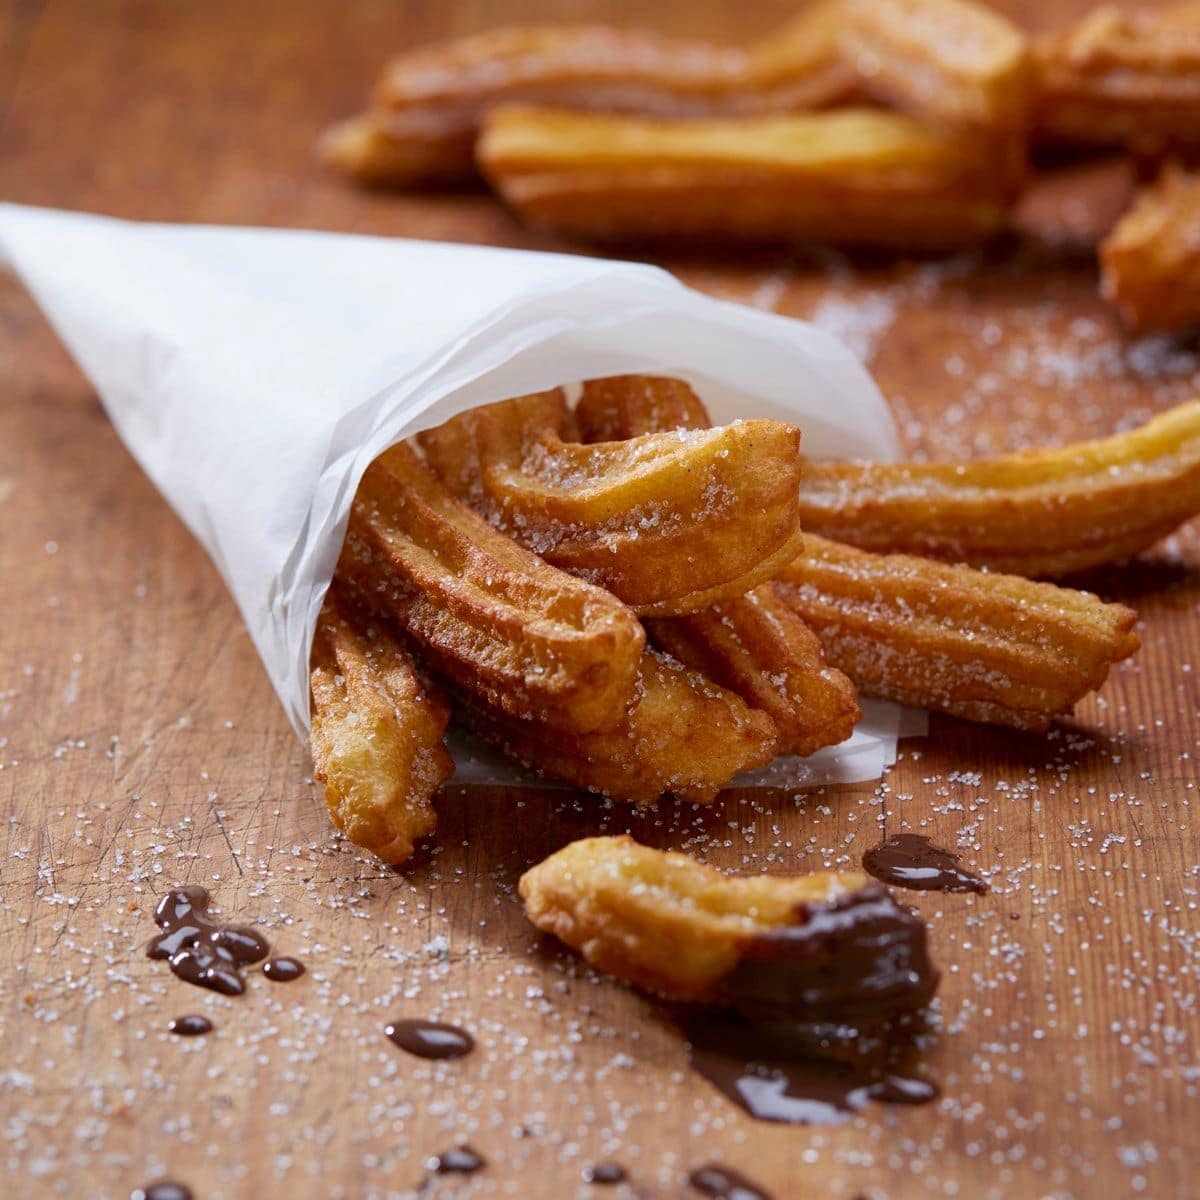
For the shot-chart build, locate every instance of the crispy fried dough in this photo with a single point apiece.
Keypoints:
(1123, 77)
(752, 644)
(755, 645)
(684, 736)
(1151, 259)
(986, 647)
(487, 614)
(376, 733)
(849, 176)
(1044, 513)
(668, 522)
(831, 944)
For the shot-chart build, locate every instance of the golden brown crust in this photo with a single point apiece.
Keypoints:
(1151, 259)
(986, 647)
(380, 149)
(756, 646)
(1123, 77)
(1044, 513)
(684, 736)
(376, 733)
(485, 613)
(668, 522)
(671, 925)
(848, 176)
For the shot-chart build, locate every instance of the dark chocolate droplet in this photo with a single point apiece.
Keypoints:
(283, 970)
(430, 1039)
(724, 1183)
(164, 1189)
(461, 1160)
(200, 949)
(604, 1173)
(192, 1025)
(911, 860)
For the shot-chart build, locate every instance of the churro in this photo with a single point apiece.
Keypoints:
(1041, 513)
(376, 733)
(1151, 259)
(829, 945)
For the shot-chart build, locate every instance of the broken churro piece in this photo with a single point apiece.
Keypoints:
(1038, 512)
(1151, 259)
(830, 945)
(683, 736)
(376, 734)
(490, 616)
(849, 176)
(668, 522)
(1123, 76)
(986, 647)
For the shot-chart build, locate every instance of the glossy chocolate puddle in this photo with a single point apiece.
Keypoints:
(911, 860)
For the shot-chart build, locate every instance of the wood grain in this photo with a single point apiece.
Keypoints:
(140, 743)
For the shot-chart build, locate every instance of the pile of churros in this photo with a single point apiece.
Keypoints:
(618, 596)
(900, 124)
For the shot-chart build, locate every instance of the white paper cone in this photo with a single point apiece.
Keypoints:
(255, 373)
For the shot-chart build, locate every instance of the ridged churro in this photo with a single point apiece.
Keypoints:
(489, 615)
(1151, 259)
(848, 176)
(1041, 513)
(668, 522)
(983, 646)
(829, 945)
(376, 733)
(683, 736)
(1121, 76)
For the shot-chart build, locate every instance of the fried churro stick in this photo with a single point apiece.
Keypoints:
(986, 647)
(850, 177)
(832, 945)
(1151, 259)
(1038, 513)
(684, 736)
(489, 615)
(429, 103)
(376, 733)
(668, 522)
(752, 644)
(1121, 77)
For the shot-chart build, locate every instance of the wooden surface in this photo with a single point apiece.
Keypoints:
(140, 743)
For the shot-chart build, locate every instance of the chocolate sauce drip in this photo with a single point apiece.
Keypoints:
(192, 1025)
(461, 1160)
(430, 1039)
(283, 970)
(724, 1183)
(910, 860)
(200, 949)
(604, 1173)
(861, 954)
(165, 1189)
(806, 1074)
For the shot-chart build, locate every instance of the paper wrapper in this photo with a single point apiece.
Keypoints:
(255, 373)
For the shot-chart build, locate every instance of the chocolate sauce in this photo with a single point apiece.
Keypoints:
(604, 1173)
(430, 1039)
(283, 970)
(165, 1189)
(724, 1183)
(202, 950)
(910, 860)
(190, 1026)
(861, 954)
(461, 1160)
(806, 1074)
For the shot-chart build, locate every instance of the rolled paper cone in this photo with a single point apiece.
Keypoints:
(255, 373)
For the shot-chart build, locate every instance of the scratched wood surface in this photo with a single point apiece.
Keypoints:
(140, 744)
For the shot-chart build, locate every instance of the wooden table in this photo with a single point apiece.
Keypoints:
(141, 745)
